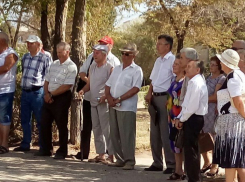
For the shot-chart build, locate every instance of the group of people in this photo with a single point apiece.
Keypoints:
(181, 104)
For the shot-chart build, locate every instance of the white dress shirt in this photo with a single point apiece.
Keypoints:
(196, 98)
(162, 73)
(123, 80)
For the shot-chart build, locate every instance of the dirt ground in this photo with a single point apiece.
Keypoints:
(19, 166)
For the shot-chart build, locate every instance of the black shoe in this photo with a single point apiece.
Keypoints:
(42, 153)
(153, 168)
(21, 149)
(78, 155)
(168, 171)
(59, 156)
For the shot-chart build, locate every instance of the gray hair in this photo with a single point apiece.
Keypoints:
(190, 53)
(64, 45)
(4, 37)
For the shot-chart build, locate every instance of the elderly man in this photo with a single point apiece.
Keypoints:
(193, 110)
(8, 62)
(98, 75)
(161, 77)
(87, 122)
(35, 65)
(121, 93)
(57, 88)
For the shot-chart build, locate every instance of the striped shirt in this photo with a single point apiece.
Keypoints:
(61, 74)
(34, 69)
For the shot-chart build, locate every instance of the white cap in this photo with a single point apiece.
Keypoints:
(103, 48)
(33, 38)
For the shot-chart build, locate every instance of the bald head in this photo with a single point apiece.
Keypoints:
(238, 45)
(4, 38)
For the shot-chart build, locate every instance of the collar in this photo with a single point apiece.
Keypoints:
(35, 55)
(66, 61)
(166, 56)
(131, 65)
(196, 77)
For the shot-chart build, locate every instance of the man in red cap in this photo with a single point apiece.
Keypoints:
(87, 121)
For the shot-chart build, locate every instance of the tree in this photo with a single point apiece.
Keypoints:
(78, 54)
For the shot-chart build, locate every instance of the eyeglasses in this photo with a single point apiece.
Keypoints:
(235, 48)
(126, 54)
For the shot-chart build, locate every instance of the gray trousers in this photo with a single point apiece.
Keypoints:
(123, 134)
(159, 134)
(101, 129)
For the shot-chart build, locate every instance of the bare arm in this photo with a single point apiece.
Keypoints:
(83, 76)
(109, 97)
(86, 88)
(62, 89)
(47, 95)
(128, 94)
(213, 98)
(239, 104)
(10, 60)
(149, 94)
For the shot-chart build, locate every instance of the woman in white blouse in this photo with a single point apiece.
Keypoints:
(229, 150)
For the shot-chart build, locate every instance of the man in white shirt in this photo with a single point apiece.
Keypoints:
(194, 107)
(121, 92)
(87, 121)
(161, 76)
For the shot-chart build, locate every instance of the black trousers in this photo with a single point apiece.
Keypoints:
(86, 132)
(57, 111)
(192, 128)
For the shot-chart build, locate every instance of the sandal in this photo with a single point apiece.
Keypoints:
(176, 176)
(107, 161)
(3, 150)
(203, 170)
(97, 159)
(211, 175)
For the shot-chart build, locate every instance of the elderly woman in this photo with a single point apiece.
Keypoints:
(229, 149)
(214, 81)
(174, 109)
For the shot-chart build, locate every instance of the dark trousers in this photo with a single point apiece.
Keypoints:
(57, 111)
(86, 132)
(192, 128)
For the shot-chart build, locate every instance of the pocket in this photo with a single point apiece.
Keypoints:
(127, 81)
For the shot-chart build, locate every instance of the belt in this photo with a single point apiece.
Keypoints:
(160, 93)
(34, 88)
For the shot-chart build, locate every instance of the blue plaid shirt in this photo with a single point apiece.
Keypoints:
(34, 69)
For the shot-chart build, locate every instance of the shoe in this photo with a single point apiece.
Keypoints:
(78, 155)
(153, 168)
(107, 161)
(17, 149)
(3, 150)
(116, 164)
(42, 153)
(211, 175)
(204, 169)
(59, 156)
(128, 167)
(168, 171)
(176, 176)
(97, 159)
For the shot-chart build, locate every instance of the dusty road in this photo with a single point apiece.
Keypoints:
(18, 166)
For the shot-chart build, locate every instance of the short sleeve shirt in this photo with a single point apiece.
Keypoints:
(61, 74)
(123, 80)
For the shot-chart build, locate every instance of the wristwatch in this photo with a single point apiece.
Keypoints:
(119, 98)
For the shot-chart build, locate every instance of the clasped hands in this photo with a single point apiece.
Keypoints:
(177, 123)
(48, 98)
(113, 101)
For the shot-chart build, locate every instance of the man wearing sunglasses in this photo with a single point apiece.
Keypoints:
(238, 45)
(121, 93)
(161, 77)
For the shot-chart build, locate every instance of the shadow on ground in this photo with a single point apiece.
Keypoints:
(18, 166)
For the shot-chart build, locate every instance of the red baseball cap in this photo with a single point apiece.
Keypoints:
(107, 40)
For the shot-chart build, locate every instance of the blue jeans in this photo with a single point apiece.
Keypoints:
(6, 107)
(31, 102)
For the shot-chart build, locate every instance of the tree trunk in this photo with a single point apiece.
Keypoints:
(180, 44)
(45, 37)
(17, 29)
(60, 17)
(78, 51)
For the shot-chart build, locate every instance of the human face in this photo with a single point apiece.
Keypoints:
(238, 45)
(62, 54)
(213, 67)
(183, 60)
(162, 46)
(176, 66)
(127, 56)
(192, 70)
(33, 46)
(99, 56)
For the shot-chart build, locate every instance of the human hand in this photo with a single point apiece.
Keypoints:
(148, 98)
(102, 99)
(48, 98)
(111, 102)
(81, 92)
(178, 124)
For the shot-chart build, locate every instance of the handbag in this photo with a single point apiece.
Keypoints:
(205, 142)
(82, 83)
(179, 139)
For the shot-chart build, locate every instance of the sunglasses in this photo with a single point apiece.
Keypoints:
(126, 54)
(235, 48)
